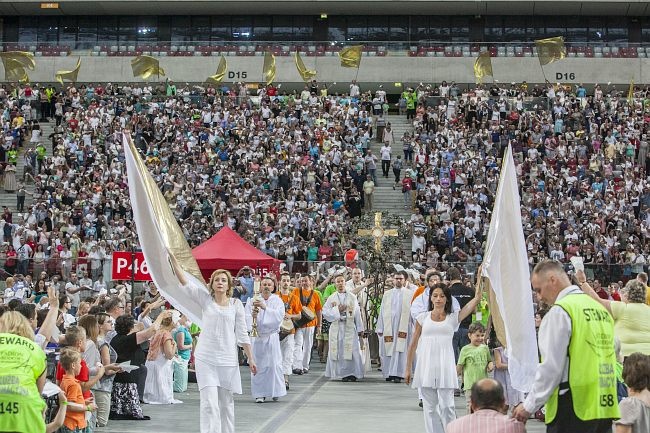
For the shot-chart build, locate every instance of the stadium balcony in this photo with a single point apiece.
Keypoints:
(320, 49)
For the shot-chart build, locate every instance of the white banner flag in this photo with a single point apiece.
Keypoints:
(160, 236)
(506, 266)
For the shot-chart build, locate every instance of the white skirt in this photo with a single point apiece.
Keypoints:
(159, 386)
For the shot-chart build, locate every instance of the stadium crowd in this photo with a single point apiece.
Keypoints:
(288, 172)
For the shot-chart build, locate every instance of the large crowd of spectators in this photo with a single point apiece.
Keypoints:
(286, 170)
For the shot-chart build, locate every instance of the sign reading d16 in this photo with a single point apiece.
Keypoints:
(124, 262)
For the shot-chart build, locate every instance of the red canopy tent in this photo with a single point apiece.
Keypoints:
(227, 250)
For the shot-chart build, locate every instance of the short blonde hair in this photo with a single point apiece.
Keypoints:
(9, 282)
(228, 275)
(12, 322)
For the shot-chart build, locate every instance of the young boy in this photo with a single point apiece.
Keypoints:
(75, 338)
(75, 418)
(474, 360)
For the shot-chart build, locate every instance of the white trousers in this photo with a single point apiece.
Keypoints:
(287, 347)
(217, 410)
(439, 410)
(304, 341)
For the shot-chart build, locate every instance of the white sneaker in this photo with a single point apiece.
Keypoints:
(259, 400)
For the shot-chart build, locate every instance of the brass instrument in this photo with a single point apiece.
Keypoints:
(256, 297)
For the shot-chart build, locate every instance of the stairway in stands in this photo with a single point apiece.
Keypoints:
(386, 198)
(9, 198)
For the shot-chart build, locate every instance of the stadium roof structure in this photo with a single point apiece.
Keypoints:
(334, 7)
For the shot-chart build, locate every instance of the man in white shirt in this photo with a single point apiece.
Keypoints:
(385, 154)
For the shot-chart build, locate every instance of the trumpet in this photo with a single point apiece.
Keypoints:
(256, 297)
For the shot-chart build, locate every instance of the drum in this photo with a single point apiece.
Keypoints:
(286, 327)
(306, 316)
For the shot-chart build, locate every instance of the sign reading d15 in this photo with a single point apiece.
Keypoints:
(124, 262)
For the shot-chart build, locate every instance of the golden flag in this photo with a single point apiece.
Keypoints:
(483, 66)
(268, 70)
(220, 74)
(630, 93)
(69, 75)
(16, 63)
(146, 66)
(351, 56)
(550, 49)
(306, 74)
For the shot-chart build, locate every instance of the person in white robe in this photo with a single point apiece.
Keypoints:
(344, 360)
(359, 287)
(421, 305)
(292, 309)
(216, 360)
(268, 312)
(394, 327)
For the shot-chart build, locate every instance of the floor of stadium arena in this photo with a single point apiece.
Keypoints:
(372, 405)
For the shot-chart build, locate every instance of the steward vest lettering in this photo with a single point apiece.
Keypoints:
(592, 377)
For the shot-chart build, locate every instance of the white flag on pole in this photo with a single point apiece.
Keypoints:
(506, 266)
(160, 236)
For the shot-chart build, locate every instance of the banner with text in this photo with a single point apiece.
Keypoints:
(125, 262)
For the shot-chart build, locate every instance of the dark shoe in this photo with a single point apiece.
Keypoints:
(420, 403)
(144, 418)
(350, 379)
(397, 380)
(297, 371)
(286, 385)
(389, 379)
(457, 393)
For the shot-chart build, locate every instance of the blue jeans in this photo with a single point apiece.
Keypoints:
(460, 339)
(64, 429)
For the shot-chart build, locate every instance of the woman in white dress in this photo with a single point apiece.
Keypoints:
(216, 361)
(435, 372)
(159, 386)
(269, 312)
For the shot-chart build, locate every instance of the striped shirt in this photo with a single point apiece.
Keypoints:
(485, 421)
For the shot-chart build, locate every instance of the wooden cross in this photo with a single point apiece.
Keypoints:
(377, 232)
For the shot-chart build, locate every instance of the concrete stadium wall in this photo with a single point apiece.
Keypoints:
(384, 70)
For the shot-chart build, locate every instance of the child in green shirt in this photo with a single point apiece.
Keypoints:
(474, 361)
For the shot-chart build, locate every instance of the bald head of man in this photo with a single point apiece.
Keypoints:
(488, 394)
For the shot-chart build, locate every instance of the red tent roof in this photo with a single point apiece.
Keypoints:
(227, 250)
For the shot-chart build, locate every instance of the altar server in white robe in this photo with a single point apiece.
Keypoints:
(394, 328)
(359, 287)
(269, 312)
(344, 360)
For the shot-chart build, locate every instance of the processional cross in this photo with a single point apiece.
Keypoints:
(377, 232)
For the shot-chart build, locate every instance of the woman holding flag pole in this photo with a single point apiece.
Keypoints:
(217, 366)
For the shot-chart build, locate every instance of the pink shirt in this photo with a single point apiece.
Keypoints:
(486, 421)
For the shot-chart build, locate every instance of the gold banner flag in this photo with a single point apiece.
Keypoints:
(306, 74)
(551, 49)
(16, 63)
(268, 70)
(351, 56)
(146, 66)
(69, 75)
(483, 66)
(630, 93)
(220, 74)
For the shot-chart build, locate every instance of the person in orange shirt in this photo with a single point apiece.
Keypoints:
(75, 417)
(292, 310)
(304, 337)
